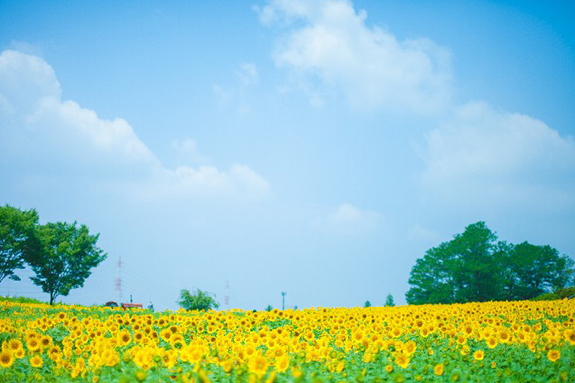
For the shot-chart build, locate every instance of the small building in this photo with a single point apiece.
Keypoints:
(131, 305)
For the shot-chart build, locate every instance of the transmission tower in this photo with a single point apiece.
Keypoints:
(119, 280)
(227, 296)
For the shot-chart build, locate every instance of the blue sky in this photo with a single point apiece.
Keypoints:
(317, 148)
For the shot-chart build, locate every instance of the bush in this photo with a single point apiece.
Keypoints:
(199, 300)
(20, 299)
(568, 293)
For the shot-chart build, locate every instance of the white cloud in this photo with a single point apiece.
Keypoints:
(187, 152)
(236, 95)
(418, 233)
(24, 81)
(81, 126)
(208, 179)
(329, 42)
(41, 134)
(487, 156)
(347, 219)
(247, 74)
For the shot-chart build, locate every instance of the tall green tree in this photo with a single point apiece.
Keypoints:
(531, 270)
(66, 258)
(17, 239)
(461, 270)
(475, 270)
(473, 267)
(199, 300)
(432, 277)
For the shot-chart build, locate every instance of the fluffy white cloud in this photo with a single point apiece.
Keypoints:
(488, 156)
(208, 180)
(25, 80)
(347, 219)
(329, 41)
(40, 134)
(186, 151)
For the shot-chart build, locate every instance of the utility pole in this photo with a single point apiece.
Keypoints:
(283, 300)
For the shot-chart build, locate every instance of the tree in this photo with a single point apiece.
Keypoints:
(461, 270)
(16, 239)
(269, 308)
(432, 278)
(199, 300)
(367, 304)
(67, 255)
(474, 268)
(475, 271)
(389, 301)
(530, 271)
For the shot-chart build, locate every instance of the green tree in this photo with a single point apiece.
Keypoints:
(431, 278)
(461, 270)
(17, 239)
(199, 300)
(389, 301)
(475, 270)
(530, 271)
(367, 304)
(473, 267)
(67, 255)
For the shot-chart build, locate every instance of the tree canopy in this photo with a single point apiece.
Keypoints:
(67, 255)
(199, 300)
(473, 267)
(16, 239)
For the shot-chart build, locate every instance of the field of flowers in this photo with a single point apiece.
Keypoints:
(488, 342)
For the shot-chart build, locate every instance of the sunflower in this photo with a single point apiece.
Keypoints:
(33, 344)
(6, 358)
(410, 347)
(227, 365)
(479, 355)
(124, 338)
(14, 345)
(553, 355)
(258, 365)
(138, 336)
(504, 336)
(196, 355)
(492, 342)
(36, 361)
(46, 341)
(367, 357)
(438, 369)
(282, 364)
(166, 334)
(19, 354)
(402, 360)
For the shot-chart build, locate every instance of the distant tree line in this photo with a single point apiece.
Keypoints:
(475, 267)
(60, 254)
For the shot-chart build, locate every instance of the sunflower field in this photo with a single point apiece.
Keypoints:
(487, 342)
